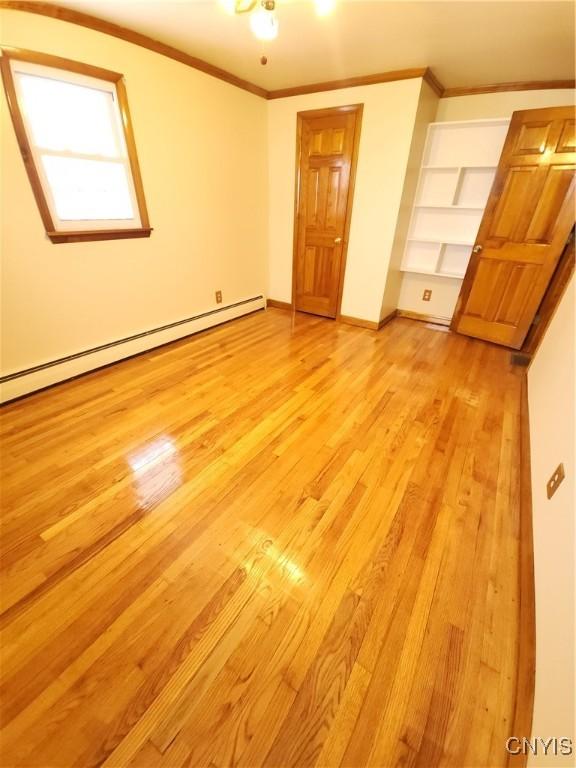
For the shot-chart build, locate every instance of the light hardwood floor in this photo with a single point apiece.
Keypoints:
(284, 542)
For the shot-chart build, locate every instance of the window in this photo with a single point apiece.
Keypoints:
(73, 127)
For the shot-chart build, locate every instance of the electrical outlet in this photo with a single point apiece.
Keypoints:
(555, 480)
(218, 297)
(427, 295)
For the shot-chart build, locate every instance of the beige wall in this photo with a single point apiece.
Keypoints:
(203, 155)
(485, 106)
(492, 105)
(551, 393)
(387, 126)
(427, 106)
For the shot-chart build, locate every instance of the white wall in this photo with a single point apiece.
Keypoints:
(387, 126)
(445, 290)
(551, 394)
(202, 147)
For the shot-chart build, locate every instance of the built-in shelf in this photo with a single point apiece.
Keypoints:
(452, 207)
(458, 167)
(452, 275)
(440, 241)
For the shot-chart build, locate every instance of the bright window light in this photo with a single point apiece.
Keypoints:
(73, 126)
(88, 190)
(69, 118)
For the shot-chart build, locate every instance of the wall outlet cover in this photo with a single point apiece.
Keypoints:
(556, 478)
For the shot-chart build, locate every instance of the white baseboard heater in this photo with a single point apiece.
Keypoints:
(19, 383)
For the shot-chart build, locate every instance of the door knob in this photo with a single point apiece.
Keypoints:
(337, 239)
(477, 249)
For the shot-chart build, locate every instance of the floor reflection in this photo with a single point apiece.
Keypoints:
(157, 471)
(282, 566)
(287, 566)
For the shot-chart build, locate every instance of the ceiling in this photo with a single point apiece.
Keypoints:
(466, 43)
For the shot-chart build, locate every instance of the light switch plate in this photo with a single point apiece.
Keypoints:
(555, 480)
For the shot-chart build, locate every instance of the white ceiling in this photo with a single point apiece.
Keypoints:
(465, 43)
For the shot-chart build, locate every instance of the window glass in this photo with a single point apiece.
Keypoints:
(68, 117)
(88, 190)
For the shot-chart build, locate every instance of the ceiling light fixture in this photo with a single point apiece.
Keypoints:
(263, 20)
(324, 7)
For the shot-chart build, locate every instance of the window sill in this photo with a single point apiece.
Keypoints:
(98, 234)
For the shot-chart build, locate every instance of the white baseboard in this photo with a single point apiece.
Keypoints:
(13, 385)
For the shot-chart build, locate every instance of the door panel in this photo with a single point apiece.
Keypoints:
(528, 218)
(545, 219)
(312, 194)
(327, 143)
(531, 137)
(567, 141)
(518, 189)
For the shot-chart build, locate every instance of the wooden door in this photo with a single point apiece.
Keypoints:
(327, 149)
(528, 218)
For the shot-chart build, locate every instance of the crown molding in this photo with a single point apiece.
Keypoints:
(433, 82)
(123, 33)
(354, 82)
(130, 36)
(528, 85)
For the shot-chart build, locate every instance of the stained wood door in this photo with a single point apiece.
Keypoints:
(328, 141)
(528, 218)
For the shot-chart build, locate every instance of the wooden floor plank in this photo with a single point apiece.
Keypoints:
(284, 541)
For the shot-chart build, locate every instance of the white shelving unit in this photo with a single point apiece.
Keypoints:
(458, 167)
